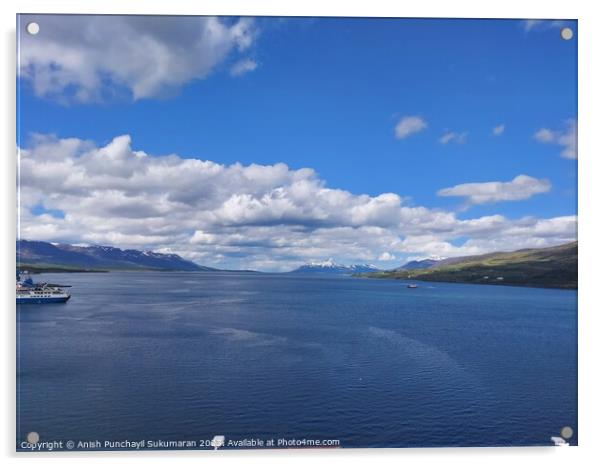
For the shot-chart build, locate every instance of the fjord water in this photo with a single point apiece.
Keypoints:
(186, 356)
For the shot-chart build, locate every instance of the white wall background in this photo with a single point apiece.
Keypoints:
(590, 195)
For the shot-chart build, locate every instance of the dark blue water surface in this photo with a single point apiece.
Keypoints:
(179, 356)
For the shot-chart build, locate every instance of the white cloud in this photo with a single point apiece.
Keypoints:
(566, 138)
(544, 135)
(499, 234)
(234, 216)
(243, 66)
(529, 24)
(408, 125)
(451, 136)
(92, 58)
(386, 256)
(534, 24)
(499, 129)
(521, 187)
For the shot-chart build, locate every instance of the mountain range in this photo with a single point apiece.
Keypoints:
(552, 267)
(332, 268)
(419, 264)
(43, 256)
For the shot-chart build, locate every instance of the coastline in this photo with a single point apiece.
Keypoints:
(466, 282)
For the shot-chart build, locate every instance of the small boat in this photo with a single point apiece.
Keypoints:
(29, 292)
(412, 285)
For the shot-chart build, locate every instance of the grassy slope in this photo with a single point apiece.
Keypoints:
(554, 267)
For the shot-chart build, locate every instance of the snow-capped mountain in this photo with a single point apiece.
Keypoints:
(41, 253)
(331, 267)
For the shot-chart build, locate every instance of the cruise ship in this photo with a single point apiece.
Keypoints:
(40, 293)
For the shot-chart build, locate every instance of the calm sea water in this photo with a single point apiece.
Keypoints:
(371, 363)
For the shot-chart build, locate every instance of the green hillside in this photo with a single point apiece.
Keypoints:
(554, 267)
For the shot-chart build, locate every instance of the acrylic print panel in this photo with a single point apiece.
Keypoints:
(295, 232)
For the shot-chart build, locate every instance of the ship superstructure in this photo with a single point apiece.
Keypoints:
(39, 293)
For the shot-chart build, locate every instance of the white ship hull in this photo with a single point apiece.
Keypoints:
(33, 299)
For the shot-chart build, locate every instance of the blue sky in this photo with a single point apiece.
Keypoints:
(327, 94)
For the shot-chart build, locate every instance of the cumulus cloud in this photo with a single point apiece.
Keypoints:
(243, 67)
(451, 136)
(521, 187)
(386, 256)
(267, 217)
(408, 125)
(91, 58)
(566, 138)
(499, 129)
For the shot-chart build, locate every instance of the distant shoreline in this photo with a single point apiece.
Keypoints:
(492, 283)
(551, 267)
(56, 269)
(39, 270)
(34, 269)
